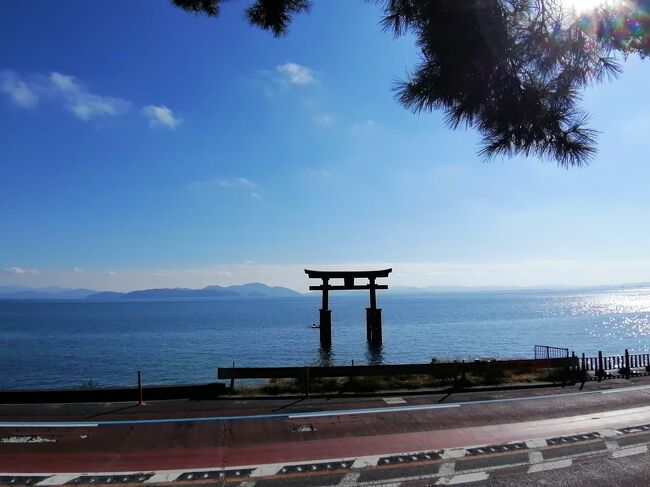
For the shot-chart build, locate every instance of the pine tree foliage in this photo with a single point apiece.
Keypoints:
(512, 69)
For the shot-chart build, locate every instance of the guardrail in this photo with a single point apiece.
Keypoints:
(546, 351)
(439, 370)
(623, 364)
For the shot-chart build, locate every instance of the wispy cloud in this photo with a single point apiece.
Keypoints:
(84, 104)
(238, 183)
(296, 74)
(323, 119)
(319, 173)
(78, 269)
(20, 271)
(161, 117)
(365, 126)
(19, 91)
(68, 92)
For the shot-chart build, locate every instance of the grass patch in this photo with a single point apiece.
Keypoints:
(368, 384)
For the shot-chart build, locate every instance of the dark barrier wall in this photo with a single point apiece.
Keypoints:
(152, 393)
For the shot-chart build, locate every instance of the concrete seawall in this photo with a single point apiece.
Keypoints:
(150, 393)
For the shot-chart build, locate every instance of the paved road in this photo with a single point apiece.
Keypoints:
(255, 438)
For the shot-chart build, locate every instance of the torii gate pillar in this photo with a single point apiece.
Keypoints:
(373, 314)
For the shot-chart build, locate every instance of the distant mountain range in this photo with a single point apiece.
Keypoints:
(252, 290)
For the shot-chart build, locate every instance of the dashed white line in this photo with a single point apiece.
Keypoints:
(58, 479)
(350, 479)
(447, 469)
(536, 443)
(363, 462)
(168, 476)
(535, 457)
(453, 453)
(608, 433)
(542, 467)
(628, 452)
(463, 478)
(267, 470)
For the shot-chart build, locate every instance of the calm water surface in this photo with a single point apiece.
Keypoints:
(63, 344)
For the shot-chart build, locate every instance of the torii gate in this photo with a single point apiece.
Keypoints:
(373, 314)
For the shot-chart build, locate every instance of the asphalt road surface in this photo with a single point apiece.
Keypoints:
(595, 435)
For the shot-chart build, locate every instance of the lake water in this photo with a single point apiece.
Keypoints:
(64, 344)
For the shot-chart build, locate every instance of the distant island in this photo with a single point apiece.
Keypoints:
(251, 290)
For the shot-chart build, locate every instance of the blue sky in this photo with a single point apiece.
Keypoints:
(142, 146)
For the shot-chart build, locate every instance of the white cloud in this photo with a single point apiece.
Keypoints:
(82, 103)
(255, 195)
(323, 119)
(319, 173)
(296, 74)
(217, 183)
(78, 269)
(161, 117)
(364, 126)
(66, 91)
(20, 271)
(20, 92)
(110, 273)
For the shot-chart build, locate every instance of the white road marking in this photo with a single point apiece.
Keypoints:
(59, 479)
(350, 412)
(543, 467)
(26, 439)
(463, 478)
(608, 433)
(166, 476)
(626, 389)
(453, 453)
(447, 469)
(611, 445)
(266, 470)
(394, 400)
(536, 443)
(369, 461)
(627, 452)
(535, 457)
(350, 479)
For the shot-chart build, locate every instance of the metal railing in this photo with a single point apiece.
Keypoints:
(616, 365)
(545, 352)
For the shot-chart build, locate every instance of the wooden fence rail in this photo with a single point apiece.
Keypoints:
(447, 369)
